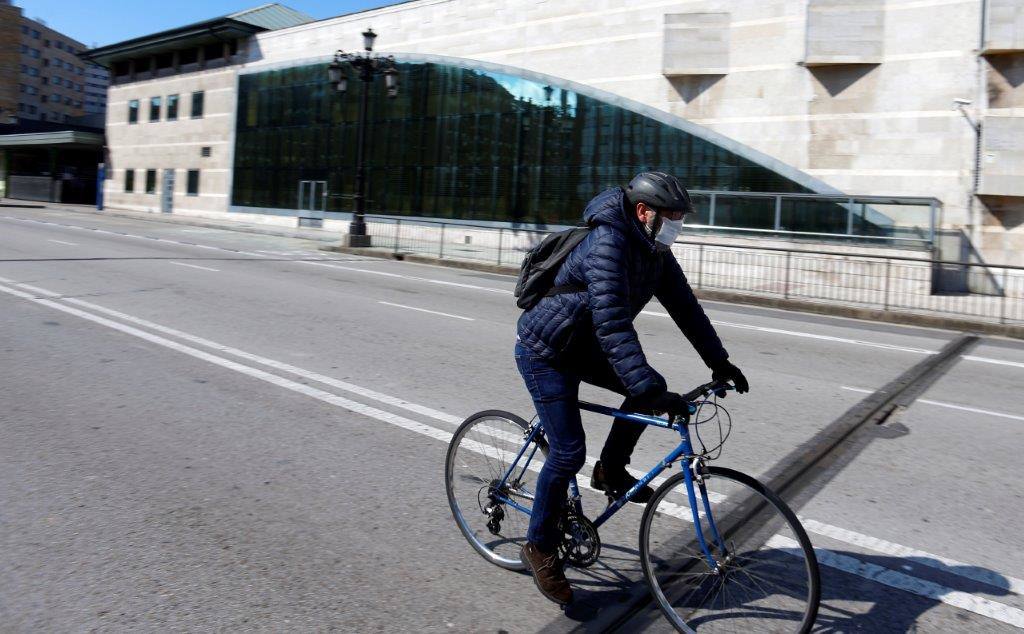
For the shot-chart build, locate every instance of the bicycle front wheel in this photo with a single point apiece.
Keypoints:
(490, 477)
(765, 579)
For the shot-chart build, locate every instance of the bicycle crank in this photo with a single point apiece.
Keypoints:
(581, 545)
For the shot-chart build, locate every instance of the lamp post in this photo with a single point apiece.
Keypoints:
(367, 66)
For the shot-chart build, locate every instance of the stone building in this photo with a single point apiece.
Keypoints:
(514, 111)
(42, 78)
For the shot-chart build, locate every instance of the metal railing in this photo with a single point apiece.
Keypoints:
(891, 283)
(904, 221)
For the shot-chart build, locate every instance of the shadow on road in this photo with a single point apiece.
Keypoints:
(860, 593)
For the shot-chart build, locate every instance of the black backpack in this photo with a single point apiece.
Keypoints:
(537, 274)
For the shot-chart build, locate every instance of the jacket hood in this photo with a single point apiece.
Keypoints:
(608, 208)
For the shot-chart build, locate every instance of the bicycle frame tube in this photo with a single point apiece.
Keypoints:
(511, 467)
(682, 450)
(653, 421)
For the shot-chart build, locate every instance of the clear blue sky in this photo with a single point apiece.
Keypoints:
(103, 22)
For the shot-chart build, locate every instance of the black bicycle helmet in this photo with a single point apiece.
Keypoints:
(661, 191)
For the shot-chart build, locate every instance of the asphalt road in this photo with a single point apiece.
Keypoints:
(211, 429)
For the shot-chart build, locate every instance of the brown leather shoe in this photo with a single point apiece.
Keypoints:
(547, 573)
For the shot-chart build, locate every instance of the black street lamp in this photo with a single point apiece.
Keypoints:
(366, 66)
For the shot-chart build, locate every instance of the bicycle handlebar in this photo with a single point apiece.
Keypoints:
(706, 389)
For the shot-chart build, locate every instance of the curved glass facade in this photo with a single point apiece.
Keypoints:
(462, 143)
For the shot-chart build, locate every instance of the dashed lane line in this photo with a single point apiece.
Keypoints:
(194, 266)
(963, 408)
(424, 310)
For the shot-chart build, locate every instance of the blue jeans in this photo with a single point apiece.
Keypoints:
(555, 392)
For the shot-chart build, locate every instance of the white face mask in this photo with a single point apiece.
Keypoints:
(663, 230)
(668, 233)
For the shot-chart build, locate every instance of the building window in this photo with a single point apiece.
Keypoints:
(213, 51)
(129, 180)
(193, 183)
(60, 45)
(43, 98)
(150, 181)
(172, 107)
(35, 53)
(35, 34)
(24, 29)
(31, 109)
(46, 43)
(197, 105)
(188, 56)
(24, 48)
(133, 111)
(154, 108)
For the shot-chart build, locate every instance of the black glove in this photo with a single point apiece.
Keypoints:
(666, 402)
(726, 371)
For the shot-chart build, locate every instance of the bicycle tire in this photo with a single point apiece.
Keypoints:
(760, 531)
(508, 433)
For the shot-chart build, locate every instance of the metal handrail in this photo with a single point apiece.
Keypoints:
(853, 255)
(925, 241)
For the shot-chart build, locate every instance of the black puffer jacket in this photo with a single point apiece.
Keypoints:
(622, 270)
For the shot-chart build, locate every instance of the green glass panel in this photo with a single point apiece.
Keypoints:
(462, 143)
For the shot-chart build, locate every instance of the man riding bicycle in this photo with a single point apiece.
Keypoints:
(584, 333)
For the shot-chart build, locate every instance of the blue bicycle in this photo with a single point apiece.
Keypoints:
(719, 550)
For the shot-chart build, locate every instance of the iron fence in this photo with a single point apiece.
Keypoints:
(891, 283)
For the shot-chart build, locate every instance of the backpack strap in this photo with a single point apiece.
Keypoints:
(565, 289)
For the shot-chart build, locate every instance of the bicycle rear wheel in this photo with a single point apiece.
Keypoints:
(479, 456)
(767, 579)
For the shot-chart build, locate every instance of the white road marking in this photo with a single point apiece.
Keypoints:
(964, 408)
(1014, 364)
(71, 244)
(195, 266)
(902, 581)
(412, 277)
(807, 335)
(975, 410)
(424, 310)
(916, 557)
(877, 573)
(857, 389)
